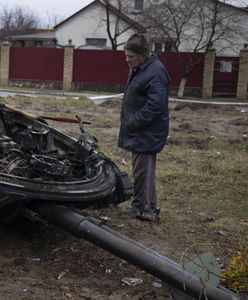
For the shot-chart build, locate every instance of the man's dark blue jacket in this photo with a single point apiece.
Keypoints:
(144, 115)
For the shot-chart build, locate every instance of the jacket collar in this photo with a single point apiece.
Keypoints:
(147, 62)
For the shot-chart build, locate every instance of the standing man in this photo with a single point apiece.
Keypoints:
(144, 123)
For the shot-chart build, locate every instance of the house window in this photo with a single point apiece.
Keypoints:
(138, 4)
(162, 46)
(167, 46)
(158, 47)
(96, 42)
(38, 44)
(18, 44)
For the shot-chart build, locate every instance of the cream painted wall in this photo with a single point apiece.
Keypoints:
(90, 23)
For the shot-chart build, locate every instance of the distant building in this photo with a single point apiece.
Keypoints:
(41, 39)
(88, 27)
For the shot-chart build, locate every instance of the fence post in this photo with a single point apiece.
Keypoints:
(242, 88)
(4, 63)
(208, 74)
(68, 66)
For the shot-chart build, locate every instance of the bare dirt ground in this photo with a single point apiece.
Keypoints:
(41, 262)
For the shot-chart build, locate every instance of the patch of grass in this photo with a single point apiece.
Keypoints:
(202, 176)
(195, 184)
(199, 176)
(235, 276)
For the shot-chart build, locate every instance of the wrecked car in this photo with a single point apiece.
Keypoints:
(47, 175)
(40, 163)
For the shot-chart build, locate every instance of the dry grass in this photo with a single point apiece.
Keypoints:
(202, 173)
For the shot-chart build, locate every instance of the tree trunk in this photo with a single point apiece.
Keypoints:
(180, 92)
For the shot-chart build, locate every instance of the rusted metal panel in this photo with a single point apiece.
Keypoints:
(36, 64)
(100, 66)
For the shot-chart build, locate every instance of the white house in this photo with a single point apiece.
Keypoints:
(88, 26)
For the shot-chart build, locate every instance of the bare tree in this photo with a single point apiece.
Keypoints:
(117, 21)
(17, 20)
(53, 20)
(193, 26)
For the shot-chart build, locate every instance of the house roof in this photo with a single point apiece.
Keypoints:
(33, 36)
(240, 8)
(113, 9)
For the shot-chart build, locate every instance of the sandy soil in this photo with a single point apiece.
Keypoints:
(41, 262)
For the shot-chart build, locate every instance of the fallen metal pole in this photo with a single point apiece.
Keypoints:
(94, 231)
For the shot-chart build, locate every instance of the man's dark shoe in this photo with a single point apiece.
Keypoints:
(150, 215)
(132, 212)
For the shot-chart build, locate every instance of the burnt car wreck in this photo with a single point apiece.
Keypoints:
(48, 175)
(40, 163)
